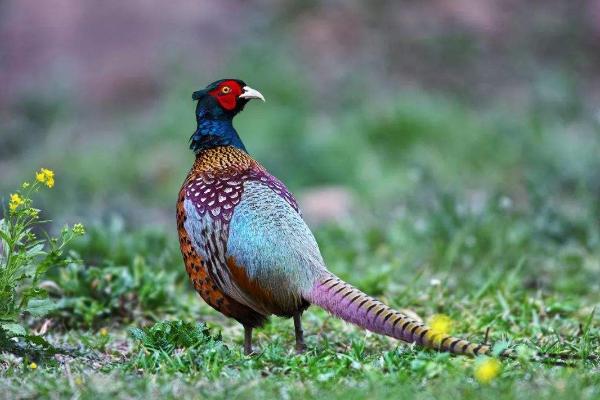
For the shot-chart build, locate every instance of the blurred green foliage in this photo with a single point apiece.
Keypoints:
(121, 277)
(409, 141)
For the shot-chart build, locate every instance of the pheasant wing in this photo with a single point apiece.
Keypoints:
(271, 253)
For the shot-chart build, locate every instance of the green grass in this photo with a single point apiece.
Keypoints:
(498, 268)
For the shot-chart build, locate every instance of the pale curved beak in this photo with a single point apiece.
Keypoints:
(250, 93)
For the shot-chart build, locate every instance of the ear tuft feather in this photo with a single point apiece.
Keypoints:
(198, 94)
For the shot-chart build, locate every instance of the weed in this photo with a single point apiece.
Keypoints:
(178, 346)
(25, 260)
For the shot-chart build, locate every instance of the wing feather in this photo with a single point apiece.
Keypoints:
(257, 248)
(269, 239)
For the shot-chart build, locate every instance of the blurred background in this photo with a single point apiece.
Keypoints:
(376, 111)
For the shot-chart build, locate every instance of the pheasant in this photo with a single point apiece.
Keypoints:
(247, 250)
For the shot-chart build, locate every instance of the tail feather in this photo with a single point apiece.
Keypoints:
(347, 302)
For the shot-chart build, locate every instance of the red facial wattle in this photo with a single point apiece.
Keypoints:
(227, 94)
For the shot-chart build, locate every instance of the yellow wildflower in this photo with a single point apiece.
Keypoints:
(33, 365)
(440, 324)
(40, 177)
(25, 185)
(103, 332)
(45, 176)
(15, 201)
(487, 370)
(79, 229)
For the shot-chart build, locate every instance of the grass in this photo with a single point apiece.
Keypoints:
(495, 269)
(490, 217)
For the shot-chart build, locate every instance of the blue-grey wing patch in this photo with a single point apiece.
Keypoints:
(271, 241)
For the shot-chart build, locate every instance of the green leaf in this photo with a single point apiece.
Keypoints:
(32, 293)
(40, 307)
(4, 236)
(40, 341)
(13, 329)
(137, 334)
(36, 250)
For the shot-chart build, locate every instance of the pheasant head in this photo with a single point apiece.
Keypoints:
(217, 104)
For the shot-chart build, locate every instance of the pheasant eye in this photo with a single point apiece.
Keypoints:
(225, 89)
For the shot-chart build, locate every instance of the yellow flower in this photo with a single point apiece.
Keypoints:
(487, 370)
(25, 185)
(15, 201)
(440, 324)
(103, 331)
(33, 365)
(79, 229)
(45, 176)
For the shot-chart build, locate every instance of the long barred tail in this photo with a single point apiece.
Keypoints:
(345, 301)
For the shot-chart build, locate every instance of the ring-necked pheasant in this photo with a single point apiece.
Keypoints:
(246, 247)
